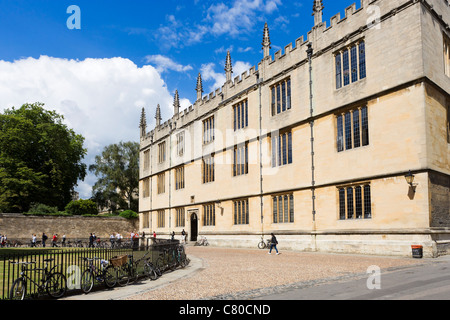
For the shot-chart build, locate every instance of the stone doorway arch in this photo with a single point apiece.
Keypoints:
(193, 234)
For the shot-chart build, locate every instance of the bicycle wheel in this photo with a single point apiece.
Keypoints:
(87, 281)
(56, 285)
(157, 269)
(160, 264)
(172, 262)
(123, 275)
(110, 276)
(18, 290)
(261, 245)
(150, 272)
(133, 272)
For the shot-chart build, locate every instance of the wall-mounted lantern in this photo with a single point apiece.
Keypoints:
(409, 177)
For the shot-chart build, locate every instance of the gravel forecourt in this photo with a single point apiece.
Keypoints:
(233, 273)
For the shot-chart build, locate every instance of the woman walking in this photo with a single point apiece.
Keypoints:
(273, 244)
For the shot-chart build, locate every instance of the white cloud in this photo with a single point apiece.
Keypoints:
(164, 63)
(100, 99)
(220, 18)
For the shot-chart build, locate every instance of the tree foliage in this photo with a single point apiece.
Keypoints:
(117, 169)
(129, 214)
(81, 207)
(40, 158)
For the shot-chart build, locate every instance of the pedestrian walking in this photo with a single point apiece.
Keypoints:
(63, 244)
(33, 241)
(54, 239)
(183, 236)
(44, 238)
(273, 244)
(91, 241)
(112, 239)
(173, 236)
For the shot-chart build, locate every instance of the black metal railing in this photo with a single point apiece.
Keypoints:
(67, 261)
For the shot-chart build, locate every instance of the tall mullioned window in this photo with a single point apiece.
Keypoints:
(355, 202)
(240, 115)
(281, 96)
(240, 160)
(241, 212)
(161, 152)
(179, 178)
(146, 220)
(161, 221)
(161, 181)
(283, 208)
(208, 169)
(146, 160)
(281, 149)
(146, 188)
(209, 215)
(208, 130)
(352, 129)
(180, 143)
(180, 218)
(350, 64)
(446, 55)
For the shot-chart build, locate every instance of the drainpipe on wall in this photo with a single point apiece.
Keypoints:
(151, 179)
(170, 175)
(259, 82)
(309, 51)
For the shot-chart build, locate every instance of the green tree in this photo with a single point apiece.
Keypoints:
(117, 169)
(40, 158)
(80, 207)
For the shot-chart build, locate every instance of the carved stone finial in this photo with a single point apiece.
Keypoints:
(176, 103)
(158, 115)
(143, 123)
(228, 67)
(317, 12)
(266, 41)
(199, 87)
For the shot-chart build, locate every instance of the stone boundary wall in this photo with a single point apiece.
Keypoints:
(18, 226)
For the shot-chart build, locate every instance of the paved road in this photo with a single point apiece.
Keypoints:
(430, 281)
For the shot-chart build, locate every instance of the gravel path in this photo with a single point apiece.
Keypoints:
(244, 273)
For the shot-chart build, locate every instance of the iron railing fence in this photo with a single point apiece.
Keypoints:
(67, 261)
(68, 243)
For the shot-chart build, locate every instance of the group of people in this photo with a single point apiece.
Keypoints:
(172, 236)
(115, 238)
(44, 239)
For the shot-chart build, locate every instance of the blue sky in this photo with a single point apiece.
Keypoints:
(133, 54)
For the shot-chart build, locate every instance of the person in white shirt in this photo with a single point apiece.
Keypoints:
(33, 240)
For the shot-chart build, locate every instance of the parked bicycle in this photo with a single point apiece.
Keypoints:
(149, 270)
(167, 260)
(182, 259)
(106, 274)
(202, 241)
(262, 244)
(52, 281)
(127, 272)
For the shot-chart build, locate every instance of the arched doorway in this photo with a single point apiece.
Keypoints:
(194, 227)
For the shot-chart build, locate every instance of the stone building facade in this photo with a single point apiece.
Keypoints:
(315, 142)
